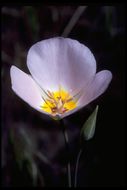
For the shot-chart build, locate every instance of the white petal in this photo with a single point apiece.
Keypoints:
(25, 87)
(61, 61)
(70, 112)
(96, 88)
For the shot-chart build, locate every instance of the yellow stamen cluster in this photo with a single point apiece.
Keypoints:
(58, 102)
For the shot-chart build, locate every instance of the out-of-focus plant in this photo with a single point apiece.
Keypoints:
(111, 20)
(87, 133)
(32, 19)
(25, 146)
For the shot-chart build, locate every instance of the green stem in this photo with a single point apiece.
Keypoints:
(76, 168)
(67, 148)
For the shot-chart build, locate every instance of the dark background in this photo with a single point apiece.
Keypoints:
(102, 29)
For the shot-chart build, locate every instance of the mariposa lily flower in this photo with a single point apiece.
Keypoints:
(63, 77)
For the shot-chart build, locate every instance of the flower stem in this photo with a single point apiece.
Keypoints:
(76, 168)
(67, 148)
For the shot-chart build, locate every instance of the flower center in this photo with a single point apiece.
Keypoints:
(58, 102)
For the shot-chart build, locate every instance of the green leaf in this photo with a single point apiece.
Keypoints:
(24, 143)
(18, 145)
(88, 129)
(33, 170)
(32, 20)
(42, 157)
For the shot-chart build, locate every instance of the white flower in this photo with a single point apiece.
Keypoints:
(63, 77)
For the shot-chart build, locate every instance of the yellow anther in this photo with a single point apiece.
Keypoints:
(58, 102)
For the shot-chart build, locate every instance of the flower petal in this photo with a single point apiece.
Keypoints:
(61, 61)
(70, 112)
(96, 88)
(25, 87)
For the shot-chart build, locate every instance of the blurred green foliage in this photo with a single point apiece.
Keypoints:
(25, 148)
(32, 17)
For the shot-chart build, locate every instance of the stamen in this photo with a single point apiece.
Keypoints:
(45, 101)
(45, 92)
(75, 98)
(50, 94)
(58, 102)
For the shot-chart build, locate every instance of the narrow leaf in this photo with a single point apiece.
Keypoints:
(18, 145)
(33, 170)
(42, 157)
(88, 129)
